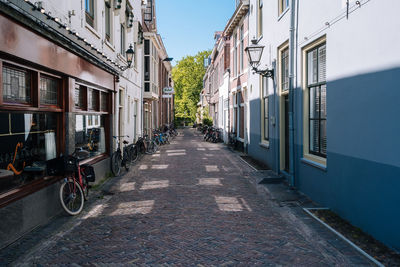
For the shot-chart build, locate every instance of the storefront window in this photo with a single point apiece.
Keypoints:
(94, 99)
(80, 93)
(90, 135)
(28, 141)
(48, 90)
(16, 85)
(104, 101)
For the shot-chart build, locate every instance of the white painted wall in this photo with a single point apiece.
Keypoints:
(131, 79)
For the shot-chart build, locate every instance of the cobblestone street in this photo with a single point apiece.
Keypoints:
(189, 205)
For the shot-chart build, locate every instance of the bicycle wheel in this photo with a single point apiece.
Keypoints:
(71, 197)
(134, 154)
(150, 147)
(85, 189)
(127, 160)
(116, 163)
(155, 147)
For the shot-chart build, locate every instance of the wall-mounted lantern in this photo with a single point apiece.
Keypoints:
(129, 56)
(254, 53)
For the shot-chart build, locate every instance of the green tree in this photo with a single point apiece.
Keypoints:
(188, 82)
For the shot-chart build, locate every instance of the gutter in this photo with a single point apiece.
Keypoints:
(291, 92)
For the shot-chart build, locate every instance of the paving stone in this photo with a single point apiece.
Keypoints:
(197, 209)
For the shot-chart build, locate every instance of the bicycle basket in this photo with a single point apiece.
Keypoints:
(71, 164)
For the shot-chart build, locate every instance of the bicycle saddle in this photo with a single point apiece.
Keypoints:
(125, 142)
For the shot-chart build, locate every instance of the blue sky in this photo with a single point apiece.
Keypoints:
(188, 26)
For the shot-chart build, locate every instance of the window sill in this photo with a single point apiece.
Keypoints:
(314, 164)
(121, 57)
(13, 195)
(93, 31)
(94, 160)
(283, 13)
(264, 145)
(110, 45)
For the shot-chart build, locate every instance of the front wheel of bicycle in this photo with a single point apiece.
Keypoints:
(127, 160)
(134, 154)
(116, 163)
(71, 197)
(151, 147)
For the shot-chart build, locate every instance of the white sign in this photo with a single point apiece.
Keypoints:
(166, 96)
(168, 90)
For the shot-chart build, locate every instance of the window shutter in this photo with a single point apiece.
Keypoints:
(322, 63)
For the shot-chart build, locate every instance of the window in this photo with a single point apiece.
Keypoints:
(129, 109)
(241, 49)
(89, 12)
(135, 55)
(16, 85)
(235, 55)
(108, 20)
(122, 40)
(80, 97)
(283, 5)
(235, 109)
(27, 140)
(135, 108)
(94, 99)
(104, 102)
(49, 90)
(260, 18)
(264, 109)
(90, 135)
(285, 69)
(316, 84)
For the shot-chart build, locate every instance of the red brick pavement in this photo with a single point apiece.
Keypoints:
(189, 205)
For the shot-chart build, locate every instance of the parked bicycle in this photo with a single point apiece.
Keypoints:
(213, 134)
(145, 145)
(121, 158)
(75, 188)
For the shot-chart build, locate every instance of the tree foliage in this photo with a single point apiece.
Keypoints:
(188, 82)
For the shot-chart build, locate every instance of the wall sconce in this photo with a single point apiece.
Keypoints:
(254, 53)
(129, 56)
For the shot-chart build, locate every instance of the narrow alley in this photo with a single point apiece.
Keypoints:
(189, 204)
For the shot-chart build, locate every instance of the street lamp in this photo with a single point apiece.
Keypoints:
(254, 53)
(208, 98)
(129, 56)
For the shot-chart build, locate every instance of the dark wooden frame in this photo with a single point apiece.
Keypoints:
(17, 193)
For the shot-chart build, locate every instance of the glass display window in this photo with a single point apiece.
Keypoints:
(17, 85)
(90, 135)
(28, 141)
(49, 88)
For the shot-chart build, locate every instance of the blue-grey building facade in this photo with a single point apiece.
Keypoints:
(328, 120)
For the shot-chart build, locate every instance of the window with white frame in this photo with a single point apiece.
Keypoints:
(285, 69)
(107, 19)
(235, 55)
(316, 85)
(241, 48)
(89, 12)
(122, 40)
(264, 109)
(283, 5)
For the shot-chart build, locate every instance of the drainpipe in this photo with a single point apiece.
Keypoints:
(291, 92)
